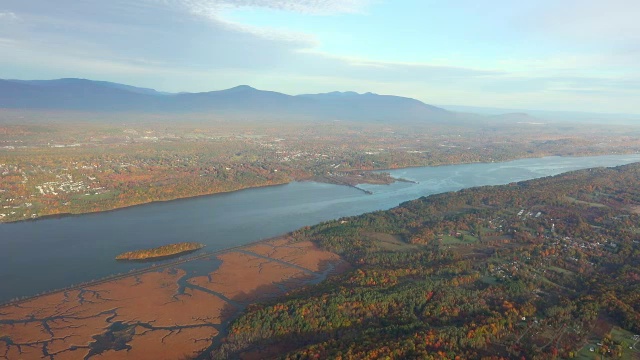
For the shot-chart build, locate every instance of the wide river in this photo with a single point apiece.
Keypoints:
(47, 254)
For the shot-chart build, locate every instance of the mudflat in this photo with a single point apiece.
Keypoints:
(165, 313)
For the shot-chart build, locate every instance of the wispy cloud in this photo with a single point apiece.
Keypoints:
(295, 39)
(8, 16)
(317, 7)
(214, 10)
(361, 68)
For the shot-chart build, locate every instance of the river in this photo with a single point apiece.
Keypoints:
(42, 255)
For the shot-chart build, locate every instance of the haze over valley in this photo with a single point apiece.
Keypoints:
(354, 179)
(94, 146)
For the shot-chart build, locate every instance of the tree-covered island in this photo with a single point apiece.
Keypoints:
(160, 252)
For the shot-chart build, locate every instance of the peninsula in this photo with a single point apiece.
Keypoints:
(160, 252)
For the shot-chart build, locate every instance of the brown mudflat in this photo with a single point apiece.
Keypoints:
(159, 314)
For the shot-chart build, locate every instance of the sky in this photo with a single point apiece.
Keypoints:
(574, 55)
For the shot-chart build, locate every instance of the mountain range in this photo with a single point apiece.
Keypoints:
(102, 96)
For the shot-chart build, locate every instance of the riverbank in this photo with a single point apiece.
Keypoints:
(348, 180)
(177, 199)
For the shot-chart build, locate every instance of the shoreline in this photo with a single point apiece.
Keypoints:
(502, 162)
(153, 202)
(308, 179)
(150, 268)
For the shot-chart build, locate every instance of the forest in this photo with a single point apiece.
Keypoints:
(540, 269)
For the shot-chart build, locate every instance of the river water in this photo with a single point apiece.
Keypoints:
(52, 253)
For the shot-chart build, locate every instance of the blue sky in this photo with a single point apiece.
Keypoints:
(553, 55)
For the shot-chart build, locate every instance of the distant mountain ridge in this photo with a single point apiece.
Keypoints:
(548, 115)
(83, 82)
(103, 96)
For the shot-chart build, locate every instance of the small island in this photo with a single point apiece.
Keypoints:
(165, 251)
(354, 178)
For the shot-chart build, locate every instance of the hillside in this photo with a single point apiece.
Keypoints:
(536, 270)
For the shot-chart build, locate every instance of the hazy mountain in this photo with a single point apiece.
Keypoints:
(74, 94)
(240, 99)
(87, 95)
(551, 116)
(375, 107)
(82, 83)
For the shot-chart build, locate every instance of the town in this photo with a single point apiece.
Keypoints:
(49, 169)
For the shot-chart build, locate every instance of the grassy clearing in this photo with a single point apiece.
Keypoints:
(390, 242)
(625, 338)
(451, 240)
(490, 280)
(585, 353)
(619, 336)
(560, 270)
(95, 197)
(468, 237)
(465, 238)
